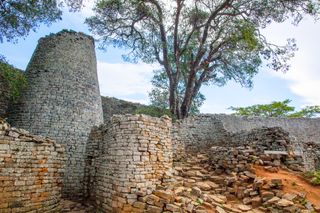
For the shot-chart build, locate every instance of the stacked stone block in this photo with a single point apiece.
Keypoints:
(197, 133)
(134, 157)
(31, 172)
(63, 99)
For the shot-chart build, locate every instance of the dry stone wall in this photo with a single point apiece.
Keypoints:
(197, 133)
(31, 172)
(303, 129)
(128, 158)
(63, 99)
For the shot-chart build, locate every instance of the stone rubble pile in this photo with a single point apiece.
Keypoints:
(261, 139)
(239, 159)
(31, 171)
(198, 189)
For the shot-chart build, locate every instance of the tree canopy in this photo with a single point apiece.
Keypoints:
(276, 109)
(19, 17)
(199, 42)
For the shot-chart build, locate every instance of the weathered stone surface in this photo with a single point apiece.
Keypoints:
(131, 156)
(62, 100)
(31, 172)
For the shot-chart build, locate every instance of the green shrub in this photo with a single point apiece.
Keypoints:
(15, 78)
(314, 177)
(153, 111)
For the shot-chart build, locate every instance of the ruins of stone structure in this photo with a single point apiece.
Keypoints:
(31, 171)
(117, 164)
(63, 99)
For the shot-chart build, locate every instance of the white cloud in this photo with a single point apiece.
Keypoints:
(125, 79)
(303, 77)
(87, 9)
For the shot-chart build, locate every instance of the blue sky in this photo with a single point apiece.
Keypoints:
(132, 81)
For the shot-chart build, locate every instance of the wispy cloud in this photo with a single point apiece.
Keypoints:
(304, 76)
(125, 80)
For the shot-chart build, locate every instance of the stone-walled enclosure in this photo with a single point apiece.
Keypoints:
(134, 156)
(31, 172)
(117, 163)
(63, 99)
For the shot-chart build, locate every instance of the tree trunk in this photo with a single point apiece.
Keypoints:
(187, 100)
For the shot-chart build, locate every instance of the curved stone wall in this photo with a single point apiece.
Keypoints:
(126, 159)
(63, 99)
(31, 172)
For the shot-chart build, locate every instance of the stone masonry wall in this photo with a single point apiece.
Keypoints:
(303, 129)
(31, 172)
(63, 99)
(113, 106)
(207, 130)
(135, 155)
(197, 133)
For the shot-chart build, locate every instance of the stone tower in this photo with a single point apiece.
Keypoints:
(63, 99)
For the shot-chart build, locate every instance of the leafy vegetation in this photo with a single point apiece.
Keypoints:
(153, 111)
(276, 109)
(198, 42)
(313, 177)
(15, 79)
(19, 17)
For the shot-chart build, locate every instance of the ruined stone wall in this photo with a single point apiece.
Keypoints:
(214, 129)
(63, 99)
(197, 133)
(113, 106)
(135, 155)
(303, 129)
(31, 172)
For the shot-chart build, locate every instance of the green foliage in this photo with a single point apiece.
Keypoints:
(15, 79)
(198, 42)
(19, 17)
(313, 177)
(153, 111)
(276, 109)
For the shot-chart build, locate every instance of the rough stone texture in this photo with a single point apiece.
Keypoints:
(134, 155)
(303, 129)
(63, 99)
(4, 97)
(262, 139)
(113, 106)
(197, 133)
(31, 171)
(201, 132)
(311, 156)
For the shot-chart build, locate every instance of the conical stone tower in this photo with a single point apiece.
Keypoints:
(63, 99)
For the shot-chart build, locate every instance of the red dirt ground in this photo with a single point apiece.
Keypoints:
(293, 183)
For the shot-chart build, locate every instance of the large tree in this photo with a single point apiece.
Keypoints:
(19, 17)
(159, 95)
(199, 41)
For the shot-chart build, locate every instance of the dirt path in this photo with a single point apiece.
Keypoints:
(293, 183)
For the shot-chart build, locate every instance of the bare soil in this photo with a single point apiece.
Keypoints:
(293, 183)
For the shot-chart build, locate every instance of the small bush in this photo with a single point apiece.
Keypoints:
(313, 177)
